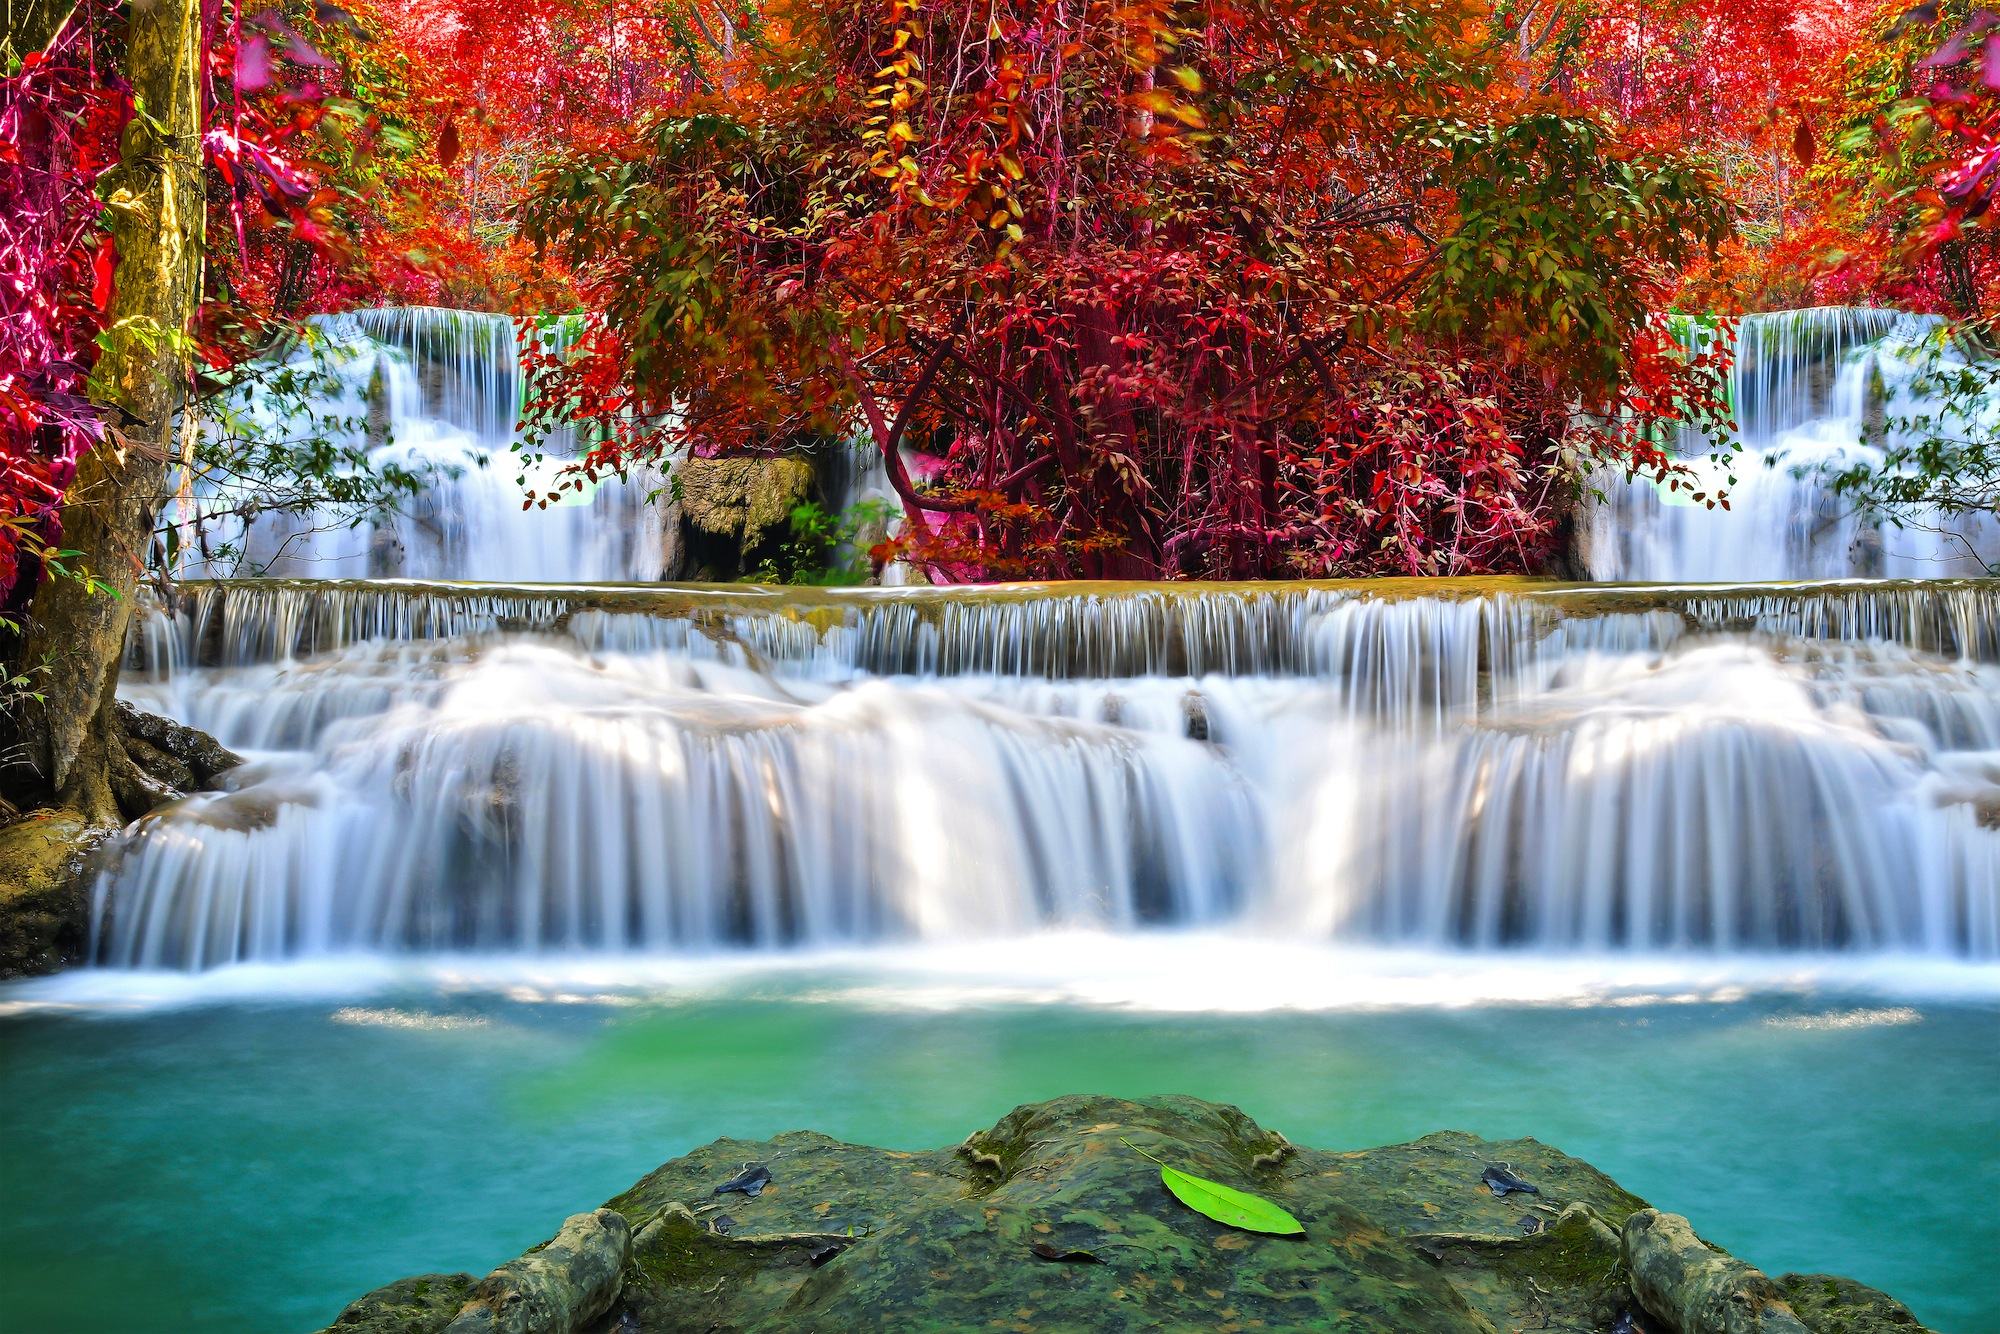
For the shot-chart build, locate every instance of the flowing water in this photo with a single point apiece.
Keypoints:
(437, 393)
(1815, 392)
(527, 886)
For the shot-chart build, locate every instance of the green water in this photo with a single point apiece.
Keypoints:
(251, 1166)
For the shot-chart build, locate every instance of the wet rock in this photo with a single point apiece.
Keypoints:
(1825, 1304)
(161, 766)
(1001, 1231)
(558, 1288)
(1695, 1288)
(421, 1305)
(177, 751)
(44, 909)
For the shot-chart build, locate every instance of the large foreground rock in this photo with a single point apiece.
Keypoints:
(1055, 1220)
(44, 912)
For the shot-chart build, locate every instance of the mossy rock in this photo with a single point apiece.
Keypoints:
(1404, 1239)
(421, 1305)
(1825, 1304)
(1057, 1220)
(746, 499)
(44, 909)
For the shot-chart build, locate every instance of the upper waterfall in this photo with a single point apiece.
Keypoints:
(436, 392)
(439, 392)
(1809, 389)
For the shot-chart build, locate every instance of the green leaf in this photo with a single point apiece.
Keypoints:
(1233, 1208)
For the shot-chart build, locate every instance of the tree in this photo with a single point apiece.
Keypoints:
(158, 208)
(1248, 289)
(128, 118)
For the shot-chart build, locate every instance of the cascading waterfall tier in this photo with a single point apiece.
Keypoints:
(1487, 764)
(1814, 391)
(436, 393)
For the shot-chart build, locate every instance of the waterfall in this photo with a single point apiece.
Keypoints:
(568, 758)
(1480, 765)
(438, 393)
(1806, 385)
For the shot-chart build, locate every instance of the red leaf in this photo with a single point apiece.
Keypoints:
(1803, 147)
(103, 268)
(448, 145)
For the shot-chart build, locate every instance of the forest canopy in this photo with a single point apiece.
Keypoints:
(1250, 288)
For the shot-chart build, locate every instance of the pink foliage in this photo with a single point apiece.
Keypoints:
(60, 117)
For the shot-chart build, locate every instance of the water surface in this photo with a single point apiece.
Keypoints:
(174, 1164)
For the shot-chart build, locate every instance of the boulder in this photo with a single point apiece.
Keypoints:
(426, 1302)
(1829, 1305)
(44, 908)
(1056, 1219)
(1695, 1288)
(182, 757)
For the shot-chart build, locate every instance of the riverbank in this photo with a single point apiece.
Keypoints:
(1057, 1218)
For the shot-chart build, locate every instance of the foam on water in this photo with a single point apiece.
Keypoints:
(1173, 972)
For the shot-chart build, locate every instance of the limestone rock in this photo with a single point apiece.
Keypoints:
(728, 513)
(1696, 1288)
(44, 912)
(558, 1288)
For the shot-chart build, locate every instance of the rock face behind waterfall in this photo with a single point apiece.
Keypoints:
(1054, 1220)
(729, 515)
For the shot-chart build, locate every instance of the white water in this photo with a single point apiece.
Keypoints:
(1806, 386)
(436, 392)
(690, 772)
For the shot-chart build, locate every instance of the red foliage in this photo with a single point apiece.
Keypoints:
(1154, 301)
(60, 116)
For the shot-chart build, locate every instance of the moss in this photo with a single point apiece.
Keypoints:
(421, 1305)
(44, 911)
(1825, 1304)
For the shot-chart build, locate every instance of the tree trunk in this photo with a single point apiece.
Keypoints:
(77, 628)
(1961, 276)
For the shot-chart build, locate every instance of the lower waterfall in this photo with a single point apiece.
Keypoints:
(460, 769)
